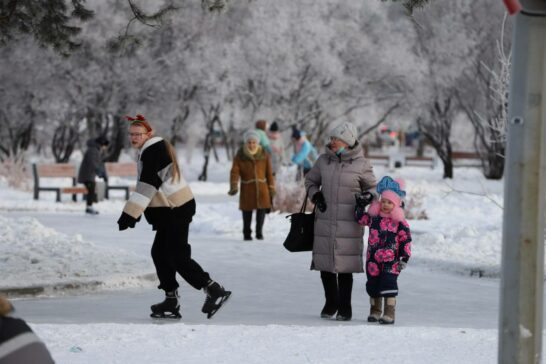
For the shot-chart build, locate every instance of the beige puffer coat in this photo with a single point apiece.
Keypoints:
(338, 244)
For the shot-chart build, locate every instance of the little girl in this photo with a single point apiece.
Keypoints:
(389, 247)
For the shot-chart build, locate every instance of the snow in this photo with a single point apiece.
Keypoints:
(98, 282)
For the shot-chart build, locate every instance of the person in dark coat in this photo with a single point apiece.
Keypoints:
(18, 343)
(92, 166)
(166, 200)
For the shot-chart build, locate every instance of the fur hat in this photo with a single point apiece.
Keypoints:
(251, 134)
(392, 190)
(274, 126)
(5, 306)
(346, 132)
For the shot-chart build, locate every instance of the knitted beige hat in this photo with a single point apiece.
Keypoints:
(5, 306)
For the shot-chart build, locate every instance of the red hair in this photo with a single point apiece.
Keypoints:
(139, 120)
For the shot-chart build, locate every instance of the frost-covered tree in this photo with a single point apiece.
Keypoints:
(487, 109)
(54, 23)
(446, 45)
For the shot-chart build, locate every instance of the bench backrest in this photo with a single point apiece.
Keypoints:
(121, 169)
(55, 170)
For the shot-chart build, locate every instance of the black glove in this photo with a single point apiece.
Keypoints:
(318, 199)
(363, 199)
(126, 221)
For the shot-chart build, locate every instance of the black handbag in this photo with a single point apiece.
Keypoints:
(301, 235)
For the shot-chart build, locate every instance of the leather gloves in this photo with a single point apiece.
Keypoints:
(233, 192)
(402, 265)
(318, 200)
(126, 221)
(272, 193)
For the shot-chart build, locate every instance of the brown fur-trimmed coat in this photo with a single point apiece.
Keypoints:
(256, 179)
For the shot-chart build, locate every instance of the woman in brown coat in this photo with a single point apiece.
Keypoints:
(252, 165)
(338, 246)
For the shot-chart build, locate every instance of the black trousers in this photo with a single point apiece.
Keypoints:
(91, 193)
(171, 253)
(247, 222)
(383, 285)
(338, 288)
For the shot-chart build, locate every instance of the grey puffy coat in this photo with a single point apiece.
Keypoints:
(92, 163)
(338, 244)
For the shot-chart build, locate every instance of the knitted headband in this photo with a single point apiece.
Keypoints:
(139, 120)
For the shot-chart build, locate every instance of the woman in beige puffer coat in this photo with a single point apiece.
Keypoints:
(338, 246)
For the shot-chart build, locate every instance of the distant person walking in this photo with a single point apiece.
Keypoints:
(305, 153)
(92, 166)
(338, 246)
(252, 167)
(389, 248)
(18, 343)
(166, 200)
(278, 154)
(261, 127)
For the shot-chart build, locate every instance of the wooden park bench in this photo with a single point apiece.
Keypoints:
(120, 170)
(56, 170)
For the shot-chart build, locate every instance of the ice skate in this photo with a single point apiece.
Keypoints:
(216, 297)
(169, 308)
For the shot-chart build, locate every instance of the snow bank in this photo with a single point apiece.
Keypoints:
(32, 255)
(177, 342)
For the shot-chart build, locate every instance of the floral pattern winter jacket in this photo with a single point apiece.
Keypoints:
(389, 242)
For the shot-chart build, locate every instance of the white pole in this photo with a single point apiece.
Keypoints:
(522, 281)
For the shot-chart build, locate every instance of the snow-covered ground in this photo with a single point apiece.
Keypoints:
(444, 313)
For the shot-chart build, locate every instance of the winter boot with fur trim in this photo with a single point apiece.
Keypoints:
(376, 309)
(388, 313)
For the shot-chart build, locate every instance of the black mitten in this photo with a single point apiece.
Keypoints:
(318, 199)
(363, 199)
(126, 221)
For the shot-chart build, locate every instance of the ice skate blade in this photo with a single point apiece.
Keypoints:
(170, 316)
(219, 305)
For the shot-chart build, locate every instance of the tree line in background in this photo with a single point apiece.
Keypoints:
(196, 73)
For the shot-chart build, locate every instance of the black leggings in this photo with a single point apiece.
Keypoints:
(171, 253)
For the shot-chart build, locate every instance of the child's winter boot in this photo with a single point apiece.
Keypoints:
(376, 309)
(388, 313)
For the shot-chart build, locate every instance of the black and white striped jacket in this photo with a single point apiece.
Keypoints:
(157, 195)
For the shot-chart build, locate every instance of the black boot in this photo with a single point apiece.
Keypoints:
(169, 308)
(247, 220)
(345, 282)
(329, 282)
(260, 217)
(216, 297)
